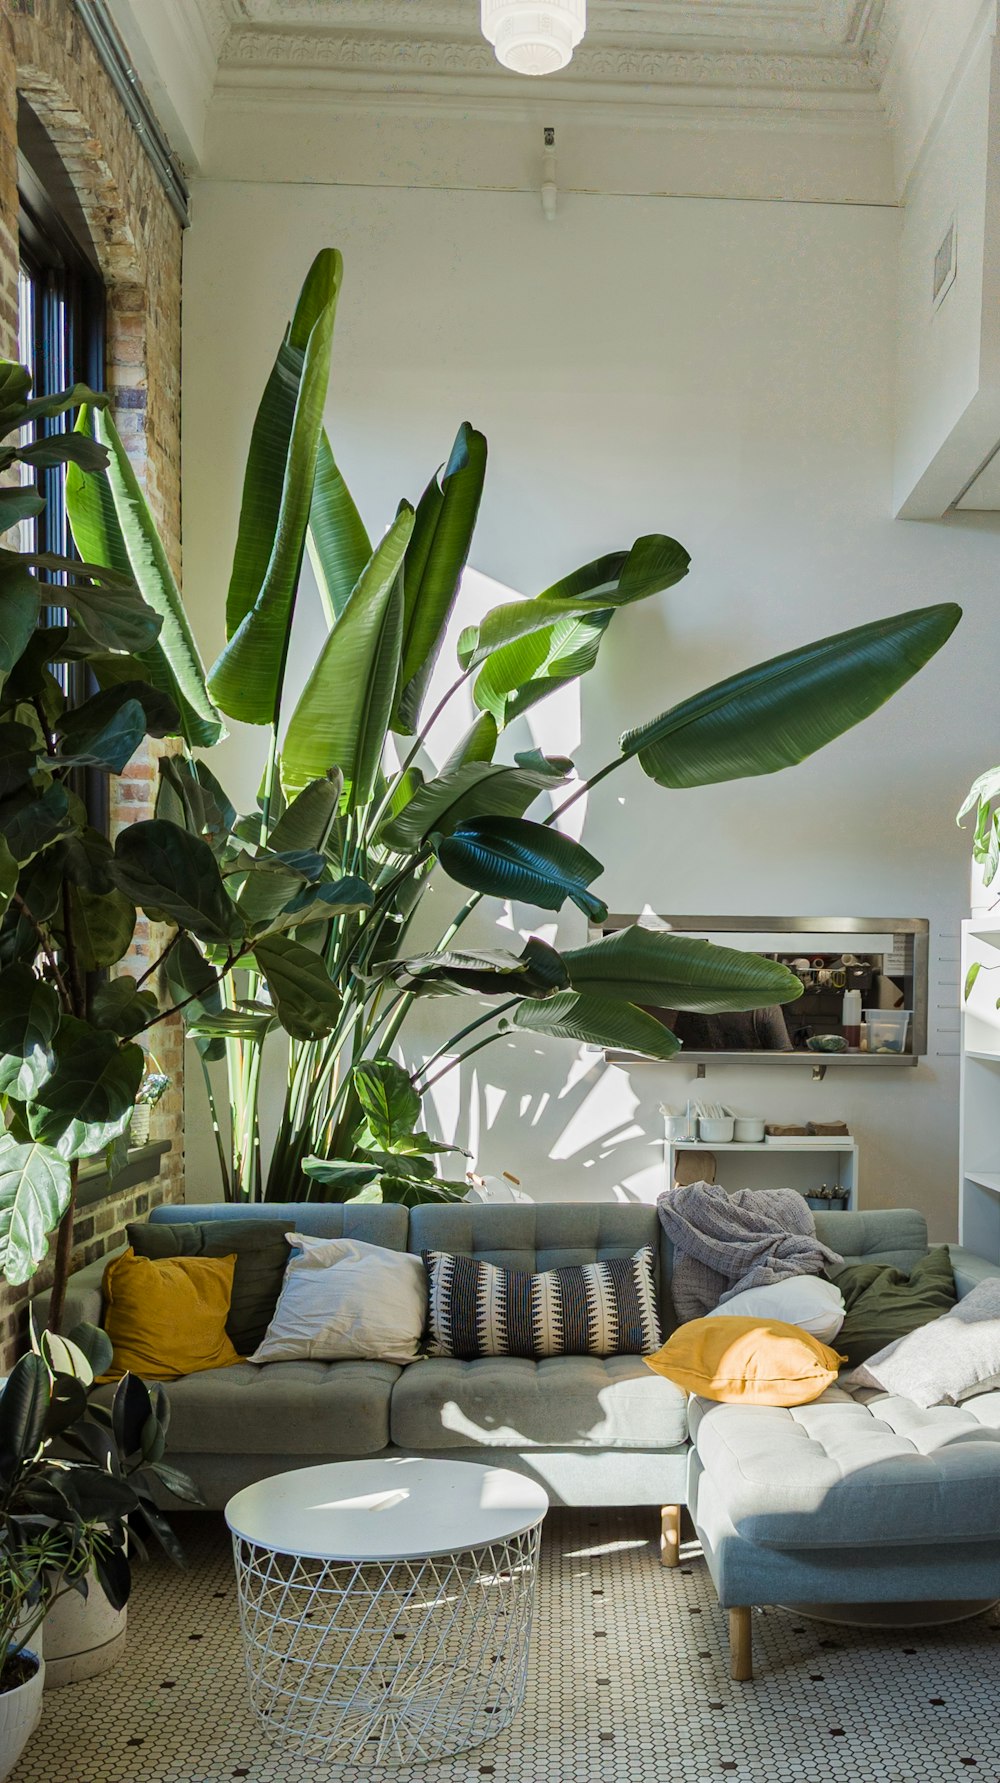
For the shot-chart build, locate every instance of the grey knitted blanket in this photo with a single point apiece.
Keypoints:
(725, 1243)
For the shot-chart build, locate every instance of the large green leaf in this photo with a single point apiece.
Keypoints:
(667, 971)
(339, 546)
(477, 789)
(18, 619)
(478, 744)
(654, 563)
(31, 821)
(343, 714)
(277, 495)
(194, 984)
(113, 615)
(112, 525)
(88, 1099)
(103, 926)
(321, 903)
(508, 857)
(442, 536)
(175, 877)
(781, 711)
(29, 1017)
(340, 1177)
(309, 818)
(305, 998)
(118, 1004)
(389, 1100)
(520, 674)
(538, 971)
(24, 1408)
(34, 1195)
(599, 1021)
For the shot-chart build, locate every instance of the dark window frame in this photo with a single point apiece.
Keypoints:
(66, 321)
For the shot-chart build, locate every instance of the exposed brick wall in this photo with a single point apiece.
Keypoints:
(46, 55)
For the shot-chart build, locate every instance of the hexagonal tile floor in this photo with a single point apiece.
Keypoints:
(628, 1683)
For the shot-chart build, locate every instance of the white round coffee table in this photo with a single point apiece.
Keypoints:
(385, 1606)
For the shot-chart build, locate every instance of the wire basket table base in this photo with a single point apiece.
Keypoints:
(387, 1662)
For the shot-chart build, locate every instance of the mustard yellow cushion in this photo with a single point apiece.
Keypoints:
(166, 1316)
(747, 1361)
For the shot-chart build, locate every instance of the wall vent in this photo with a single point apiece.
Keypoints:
(945, 265)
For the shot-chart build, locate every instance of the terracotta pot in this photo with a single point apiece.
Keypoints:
(82, 1636)
(20, 1709)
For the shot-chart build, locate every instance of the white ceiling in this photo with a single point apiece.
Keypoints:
(784, 48)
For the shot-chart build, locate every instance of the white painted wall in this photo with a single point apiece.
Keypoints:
(720, 370)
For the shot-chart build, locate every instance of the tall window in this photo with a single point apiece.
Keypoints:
(61, 330)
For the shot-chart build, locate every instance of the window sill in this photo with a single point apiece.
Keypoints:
(143, 1166)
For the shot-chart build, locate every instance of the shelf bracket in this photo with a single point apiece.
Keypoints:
(819, 1072)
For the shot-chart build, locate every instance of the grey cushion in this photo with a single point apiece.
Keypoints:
(292, 1408)
(896, 1235)
(854, 1471)
(375, 1223)
(563, 1402)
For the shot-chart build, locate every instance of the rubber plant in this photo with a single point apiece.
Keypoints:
(77, 1483)
(351, 821)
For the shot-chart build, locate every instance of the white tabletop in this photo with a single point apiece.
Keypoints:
(394, 1509)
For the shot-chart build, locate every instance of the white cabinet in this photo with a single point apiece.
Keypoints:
(801, 1164)
(979, 1153)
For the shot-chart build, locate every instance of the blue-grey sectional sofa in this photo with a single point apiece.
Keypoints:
(849, 1499)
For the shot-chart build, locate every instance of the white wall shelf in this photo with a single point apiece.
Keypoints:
(800, 1163)
(979, 1155)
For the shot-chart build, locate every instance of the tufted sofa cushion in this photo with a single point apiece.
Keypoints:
(562, 1402)
(896, 1235)
(854, 1470)
(321, 1409)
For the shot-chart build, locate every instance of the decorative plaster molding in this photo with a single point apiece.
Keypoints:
(848, 74)
(793, 25)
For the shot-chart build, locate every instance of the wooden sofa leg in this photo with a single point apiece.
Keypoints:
(740, 1644)
(670, 1535)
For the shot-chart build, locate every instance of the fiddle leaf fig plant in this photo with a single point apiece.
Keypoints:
(292, 921)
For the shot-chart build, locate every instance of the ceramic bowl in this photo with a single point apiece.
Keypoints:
(719, 1132)
(748, 1130)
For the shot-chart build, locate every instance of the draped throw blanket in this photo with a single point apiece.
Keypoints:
(725, 1243)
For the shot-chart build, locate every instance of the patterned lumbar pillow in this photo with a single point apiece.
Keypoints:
(588, 1309)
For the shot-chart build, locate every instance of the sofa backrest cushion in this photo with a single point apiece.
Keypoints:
(370, 1223)
(896, 1235)
(545, 1235)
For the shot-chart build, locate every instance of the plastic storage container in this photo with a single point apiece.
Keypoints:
(749, 1130)
(886, 1029)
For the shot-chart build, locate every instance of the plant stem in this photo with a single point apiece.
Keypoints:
(459, 1059)
(227, 1186)
(171, 944)
(586, 786)
(64, 1252)
(456, 1039)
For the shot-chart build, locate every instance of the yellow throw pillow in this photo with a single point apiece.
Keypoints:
(747, 1361)
(166, 1316)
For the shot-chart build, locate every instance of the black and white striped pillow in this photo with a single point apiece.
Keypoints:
(588, 1309)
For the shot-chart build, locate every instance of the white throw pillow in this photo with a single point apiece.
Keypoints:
(342, 1300)
(952, 1359)
(804, 1300)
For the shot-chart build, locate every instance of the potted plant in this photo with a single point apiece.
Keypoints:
(76, 1495)
(152, 1089)
(352, 817)
(983, 797)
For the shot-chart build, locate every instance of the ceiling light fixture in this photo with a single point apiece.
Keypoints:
(534, 38)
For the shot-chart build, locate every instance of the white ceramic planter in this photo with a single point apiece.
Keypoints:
(19, 1713)
(83, 1637)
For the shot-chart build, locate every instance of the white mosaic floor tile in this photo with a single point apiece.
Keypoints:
(628, 1683)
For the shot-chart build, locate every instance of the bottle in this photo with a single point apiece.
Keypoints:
(851, 1019)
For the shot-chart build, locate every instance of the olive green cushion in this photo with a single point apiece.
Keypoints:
(261, 1252)
(885, 1303)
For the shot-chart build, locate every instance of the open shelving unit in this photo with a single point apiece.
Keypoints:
(800, 1164)
(979, 1152)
